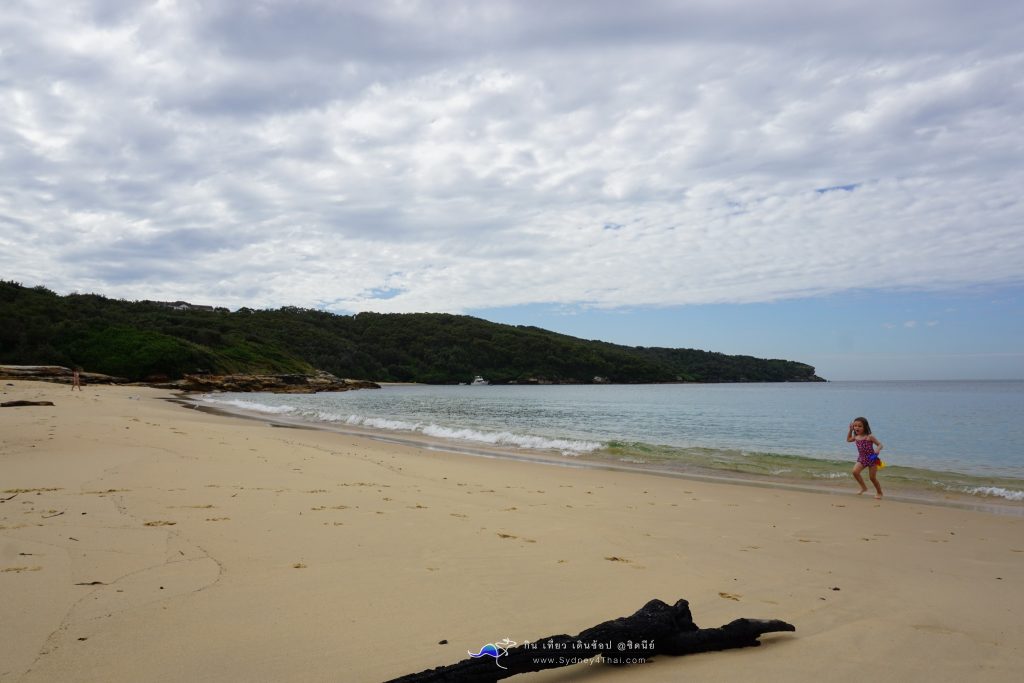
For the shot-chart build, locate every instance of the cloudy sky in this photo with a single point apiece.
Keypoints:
(834, 182)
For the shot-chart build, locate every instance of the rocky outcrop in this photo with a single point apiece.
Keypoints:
(279, 384)
(55, 373)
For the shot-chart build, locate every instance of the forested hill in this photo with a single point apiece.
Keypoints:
(142, 340)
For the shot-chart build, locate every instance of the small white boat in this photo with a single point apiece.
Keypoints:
(479, 381)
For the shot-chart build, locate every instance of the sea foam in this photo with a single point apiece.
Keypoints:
(249, 405)
(995, 491)
(502, 438)
(382, 423)
(565, 446)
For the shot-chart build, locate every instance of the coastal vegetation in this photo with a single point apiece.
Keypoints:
(143, 340)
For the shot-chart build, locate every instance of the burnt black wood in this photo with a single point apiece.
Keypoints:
(654, 629)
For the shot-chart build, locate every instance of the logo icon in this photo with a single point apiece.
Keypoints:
(496, 650)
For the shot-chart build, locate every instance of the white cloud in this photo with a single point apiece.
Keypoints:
(451, 156)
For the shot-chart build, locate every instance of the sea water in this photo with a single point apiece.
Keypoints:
(962, 437)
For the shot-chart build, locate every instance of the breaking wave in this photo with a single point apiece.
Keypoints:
(996, 492)
(249, 405)
(492, 438)
(467, 423)
(565, 446)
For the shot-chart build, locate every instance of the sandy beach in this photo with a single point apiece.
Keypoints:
(141, 540)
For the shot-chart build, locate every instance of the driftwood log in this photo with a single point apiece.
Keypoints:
(17, 404)
(654, 629)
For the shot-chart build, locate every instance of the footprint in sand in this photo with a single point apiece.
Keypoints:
(160, 522)
(729, 596)
(112, 594)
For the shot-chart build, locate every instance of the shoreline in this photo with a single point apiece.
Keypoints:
(837, 486)
(140, 540)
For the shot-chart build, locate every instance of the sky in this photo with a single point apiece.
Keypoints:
(838, 183)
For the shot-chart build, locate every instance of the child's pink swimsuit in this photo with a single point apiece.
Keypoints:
(866, 452)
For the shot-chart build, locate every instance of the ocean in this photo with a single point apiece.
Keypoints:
(943, 439)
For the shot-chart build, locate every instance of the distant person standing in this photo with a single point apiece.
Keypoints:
(76, 379)
(868, 448)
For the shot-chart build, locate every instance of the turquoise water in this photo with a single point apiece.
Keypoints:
(956, 436)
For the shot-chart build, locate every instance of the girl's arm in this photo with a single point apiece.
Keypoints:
(877, 443)
(849, 434)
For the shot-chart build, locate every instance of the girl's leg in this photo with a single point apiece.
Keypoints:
(860, 480)
(872, 472)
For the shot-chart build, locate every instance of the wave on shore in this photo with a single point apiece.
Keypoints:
(695, 461)
(799, 468)
(493, 438)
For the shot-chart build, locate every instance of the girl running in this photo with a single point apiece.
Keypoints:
(868, 448)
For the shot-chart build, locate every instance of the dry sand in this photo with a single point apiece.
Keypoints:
(143, 541)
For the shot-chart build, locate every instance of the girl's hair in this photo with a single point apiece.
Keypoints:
(864, 421)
